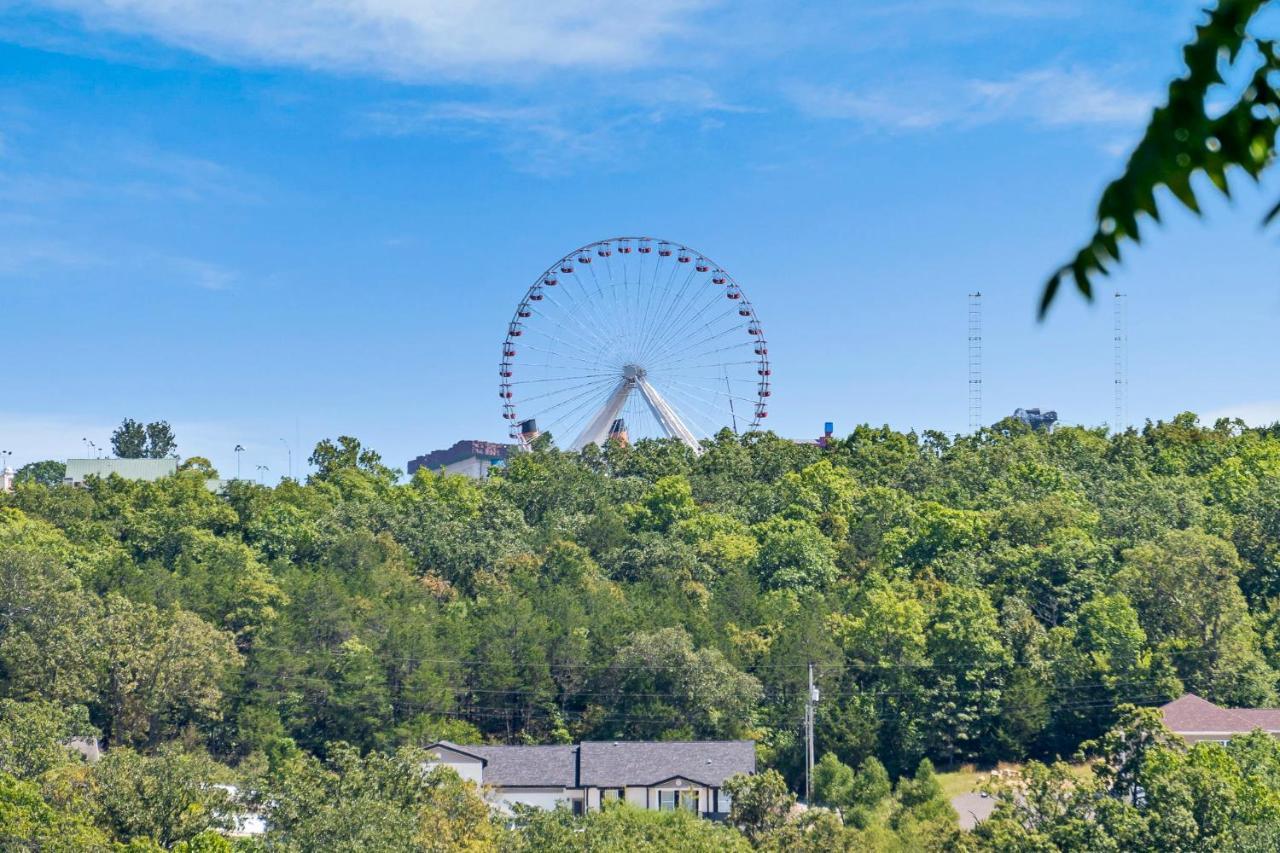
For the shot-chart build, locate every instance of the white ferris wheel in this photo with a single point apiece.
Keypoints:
(631, 338)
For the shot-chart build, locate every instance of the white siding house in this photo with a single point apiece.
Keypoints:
(650, 775)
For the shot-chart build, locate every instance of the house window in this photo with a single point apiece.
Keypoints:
(671, 800)
(608, 795)
(575, 805)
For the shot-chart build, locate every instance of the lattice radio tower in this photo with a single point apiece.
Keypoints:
(1120, 361)
(975, 361)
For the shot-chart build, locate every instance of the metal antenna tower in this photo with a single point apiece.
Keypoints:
(975, 361)
(1120, 361)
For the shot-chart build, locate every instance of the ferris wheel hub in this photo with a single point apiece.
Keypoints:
(633, 372)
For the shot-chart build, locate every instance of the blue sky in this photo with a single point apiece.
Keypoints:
(288, 220)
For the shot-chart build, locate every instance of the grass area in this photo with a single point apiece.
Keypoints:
(967, 777)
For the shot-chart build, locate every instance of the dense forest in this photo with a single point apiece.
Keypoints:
(1000, 596)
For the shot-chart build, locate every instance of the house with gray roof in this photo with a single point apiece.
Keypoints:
(1196, 719)
(663, 775)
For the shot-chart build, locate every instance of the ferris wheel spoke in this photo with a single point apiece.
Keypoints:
(705, 316)
(588, 301)
(594, 365)
(725, 322)
(546, 337)
(727, 393)
(559, 378)
(575, 418)
(683, 348)
(680, 329)
(655, 290)
(661, 317)
(727, 348)
(710, 417)
(585, 328)
(569, 389)
(585, 398)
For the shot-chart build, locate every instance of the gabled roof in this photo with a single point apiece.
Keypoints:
(528, 766)
(610, 764)
(1190, 714)
(468, 751)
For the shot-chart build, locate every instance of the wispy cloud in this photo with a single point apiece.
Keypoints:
(1257, 413)
(1048, 97)
(549, 135)
(35, 259)
(407, 39)
(536, 139)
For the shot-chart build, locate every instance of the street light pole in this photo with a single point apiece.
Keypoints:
(239, 449)
(288, 450)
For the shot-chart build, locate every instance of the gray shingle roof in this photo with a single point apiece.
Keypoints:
(611, 764)
(1191, 714)
(530, 766)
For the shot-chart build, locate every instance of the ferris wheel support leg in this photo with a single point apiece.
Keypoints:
(597, 431)
(667, 417)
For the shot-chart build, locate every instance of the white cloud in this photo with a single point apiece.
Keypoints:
(33, 259)
(1048, 97)
(407, 39)
(1057, 97)
(541, 140)
(1257, 414)
(554, 134)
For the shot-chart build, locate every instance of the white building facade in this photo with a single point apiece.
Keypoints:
(650, 775)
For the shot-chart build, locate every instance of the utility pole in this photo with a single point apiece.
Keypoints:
(1120, 362)
(975, 361)
(811, 699)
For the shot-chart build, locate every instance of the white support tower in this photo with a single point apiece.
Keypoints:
(633, 380)
(1120, 362)
(975, 361)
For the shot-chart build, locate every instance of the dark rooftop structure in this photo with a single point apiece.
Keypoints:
(463, 457)
(1036, 419)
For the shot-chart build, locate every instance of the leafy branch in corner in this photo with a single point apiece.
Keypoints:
(1183, 139)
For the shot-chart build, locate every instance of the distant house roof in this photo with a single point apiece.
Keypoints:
(523, 766)
(608, 764)
(490, 450)
(130, 469)
(1189, 714)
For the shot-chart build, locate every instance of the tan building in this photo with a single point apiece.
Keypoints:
(1196, 719)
